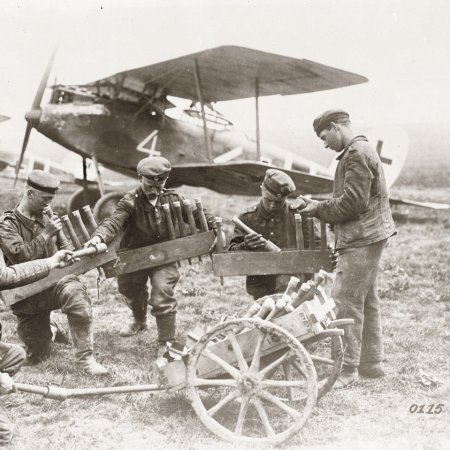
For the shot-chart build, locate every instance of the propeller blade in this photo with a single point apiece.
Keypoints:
(43, 84)
(22, 153)
(31, 116)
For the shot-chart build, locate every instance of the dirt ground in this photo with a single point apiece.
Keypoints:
(371, 415)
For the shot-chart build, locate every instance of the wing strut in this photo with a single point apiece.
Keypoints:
(200, 99)
(258, 143)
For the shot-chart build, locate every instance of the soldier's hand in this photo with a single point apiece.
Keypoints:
(310, 210)
(6, 384)
(62, 258)
(299, 203)
(93, 242)
(52, 226)
(254, 241)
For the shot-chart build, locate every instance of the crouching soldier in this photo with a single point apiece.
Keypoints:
(140, 216)
(271, 218)
(27, 234)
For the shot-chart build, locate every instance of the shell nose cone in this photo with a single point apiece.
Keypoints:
(33, 117)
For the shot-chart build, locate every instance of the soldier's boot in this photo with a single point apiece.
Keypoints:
(59, 334)
(166, 332)
(134, 326)
(83, 341)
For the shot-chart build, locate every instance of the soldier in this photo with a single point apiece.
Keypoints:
(363, 223)
(272, 218)
(12, 356)
(140, 216)
(27, 234)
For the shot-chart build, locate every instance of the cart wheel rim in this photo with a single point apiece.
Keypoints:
(246, 384)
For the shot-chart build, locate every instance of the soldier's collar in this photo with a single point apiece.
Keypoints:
(355, 139)
(266, 215)
(27, 221)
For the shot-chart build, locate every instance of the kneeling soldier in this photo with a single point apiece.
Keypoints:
(27, 234)
(272, 218)
(139, 214)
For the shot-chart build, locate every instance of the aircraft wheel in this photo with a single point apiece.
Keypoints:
(84, 196)
(106, 205)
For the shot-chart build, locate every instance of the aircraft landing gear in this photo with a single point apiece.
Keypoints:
(86, 195)
(106, 205)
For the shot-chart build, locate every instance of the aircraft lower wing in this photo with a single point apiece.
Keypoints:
(430, 205)
(243, 178)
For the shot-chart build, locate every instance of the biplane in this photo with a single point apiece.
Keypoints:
(118, 120)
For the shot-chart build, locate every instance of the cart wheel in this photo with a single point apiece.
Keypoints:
(231, 391)
(326, 352)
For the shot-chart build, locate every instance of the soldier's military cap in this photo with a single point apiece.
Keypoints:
(277, 184)
(332, 115)
(155, 169)
(43, 181)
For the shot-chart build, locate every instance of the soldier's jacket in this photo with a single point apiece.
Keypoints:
(21, 238)
(142, 223)
(278, 228)
(360, 207)
(21, 274)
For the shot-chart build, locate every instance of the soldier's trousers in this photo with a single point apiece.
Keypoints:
(33, 316)
(356, 297)
(162, 280)
(11, 358)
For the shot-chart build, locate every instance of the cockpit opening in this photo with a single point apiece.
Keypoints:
(193, 115)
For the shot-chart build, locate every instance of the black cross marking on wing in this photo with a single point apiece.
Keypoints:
(383, 159)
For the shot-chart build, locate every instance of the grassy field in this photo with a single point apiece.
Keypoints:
(371, 415)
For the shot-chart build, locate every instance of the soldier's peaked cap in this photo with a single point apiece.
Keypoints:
(323, 121)
(154, 167)
(277, 183)
(43, 181)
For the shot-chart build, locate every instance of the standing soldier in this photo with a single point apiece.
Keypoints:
(12, 356)
(140, 216)
(272, 218)
(363, 223)
(26, 234)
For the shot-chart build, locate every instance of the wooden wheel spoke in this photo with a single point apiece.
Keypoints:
(263, 416)
(284, 383)
(222, 363)
(241, 417)
(254, 366)
(227, 399)
(262, 373)
(214, 382)
(237, 351)
(277, 402)
(299, 367)
(288, 376)
(323, 360)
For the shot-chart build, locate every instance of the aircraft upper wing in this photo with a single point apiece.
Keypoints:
(229, 73)
(3, 118)
(242, 178)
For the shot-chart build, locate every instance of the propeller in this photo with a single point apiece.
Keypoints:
(33, 116)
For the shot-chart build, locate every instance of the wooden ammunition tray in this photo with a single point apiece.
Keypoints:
(271, 263)
(132, 260)
(12, 296)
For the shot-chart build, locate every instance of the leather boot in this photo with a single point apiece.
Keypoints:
(59, 334)
(133, 327)
(83, 341)
(166, 328)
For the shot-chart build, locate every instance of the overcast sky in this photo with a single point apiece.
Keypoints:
(402, 47)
